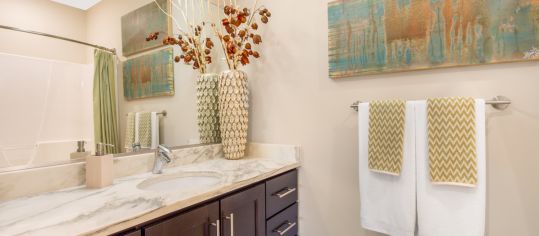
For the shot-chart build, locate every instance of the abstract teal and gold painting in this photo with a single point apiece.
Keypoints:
(149, 75)
(379, 36)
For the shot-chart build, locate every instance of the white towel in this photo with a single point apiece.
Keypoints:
(445, 210)
(388, 203)
(155, 130)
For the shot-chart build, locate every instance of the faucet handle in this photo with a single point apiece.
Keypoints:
(163, 148)
(100, 148)
(164, 152)
(162, 156)
(135, 147)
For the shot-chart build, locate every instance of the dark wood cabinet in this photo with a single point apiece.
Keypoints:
(202, 221)
(243, 214)
(281, 205)
(134, 233)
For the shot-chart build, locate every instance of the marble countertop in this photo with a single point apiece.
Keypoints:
(83, 211)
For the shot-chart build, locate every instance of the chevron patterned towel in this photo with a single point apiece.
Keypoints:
(452, 141)
(145, 129)
(130, 130)
(386, 136)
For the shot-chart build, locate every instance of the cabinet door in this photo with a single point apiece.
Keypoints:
(243, 214)
(202, 221)
(133, 233)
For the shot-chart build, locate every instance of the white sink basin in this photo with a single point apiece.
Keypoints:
(186, 181)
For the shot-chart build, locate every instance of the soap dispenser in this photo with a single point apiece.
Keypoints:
(99, 167)
(81, 152)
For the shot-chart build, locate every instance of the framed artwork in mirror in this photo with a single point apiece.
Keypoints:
(138, 24)
(149, 75)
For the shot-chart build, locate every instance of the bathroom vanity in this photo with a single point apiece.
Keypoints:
(198, 193)
(267, 208)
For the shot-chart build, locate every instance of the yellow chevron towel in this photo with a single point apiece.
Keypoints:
(452, 141)
(130, 130)
(145, 129)
(386, 136)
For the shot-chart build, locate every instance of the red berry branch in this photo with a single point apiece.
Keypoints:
(237, 32)
(194, 45)
(240, 33)
(195, 50)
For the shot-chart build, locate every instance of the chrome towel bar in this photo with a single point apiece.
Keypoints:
(163, 113)
(498, 103)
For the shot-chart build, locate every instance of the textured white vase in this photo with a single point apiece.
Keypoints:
(208, 108)
(233, 113)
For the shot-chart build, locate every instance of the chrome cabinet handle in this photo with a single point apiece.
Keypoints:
(217, 225)
(289, 226)
(231, 218)
(284, 192)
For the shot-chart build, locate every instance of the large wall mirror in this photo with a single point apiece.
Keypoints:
(46, 84)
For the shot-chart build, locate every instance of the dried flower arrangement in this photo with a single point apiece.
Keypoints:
(194, 43)
(237, 32)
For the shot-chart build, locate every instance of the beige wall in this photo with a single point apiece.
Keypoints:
(293, 101)
(44, 16)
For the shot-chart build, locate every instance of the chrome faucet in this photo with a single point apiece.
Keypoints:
(135, 147)
(163, 156)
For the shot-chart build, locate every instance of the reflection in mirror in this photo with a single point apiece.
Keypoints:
(49, 106)
(53, 109)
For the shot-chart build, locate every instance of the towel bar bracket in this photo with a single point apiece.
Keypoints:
(355, 105)
(164, 113)
(498, 103)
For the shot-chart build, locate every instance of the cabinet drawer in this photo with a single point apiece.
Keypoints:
(281, 192)
(284, 223)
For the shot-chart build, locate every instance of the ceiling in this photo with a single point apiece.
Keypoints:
(80, 4)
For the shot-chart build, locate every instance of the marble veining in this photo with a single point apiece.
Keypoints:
(79, 210)
(34, 181)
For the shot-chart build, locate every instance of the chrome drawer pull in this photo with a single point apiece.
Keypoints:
(217, 225)
(231, 218)
(289, 226)
(285, 192)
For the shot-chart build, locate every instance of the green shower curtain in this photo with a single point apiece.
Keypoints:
(105, 115)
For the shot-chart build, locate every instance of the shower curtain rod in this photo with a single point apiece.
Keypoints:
(113, 51)
(498, 102)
